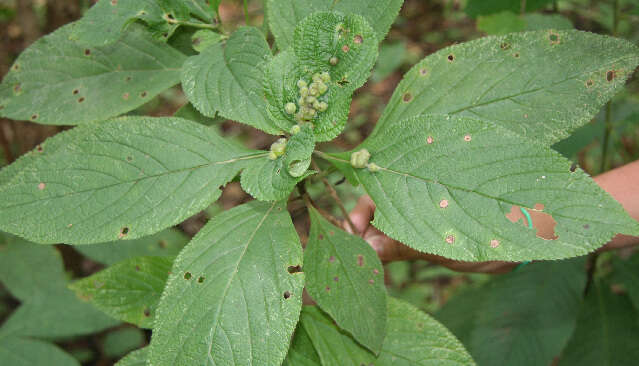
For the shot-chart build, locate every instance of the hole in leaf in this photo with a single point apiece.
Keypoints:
(75, 91)
(504, 46)
(34, 117)
(200, 279)
(187, 276)
(294, 269)
(81, 100)
(451, 58)
(554, 38)
(407, 97)
(589, 83)
(543, 223)
(573, 167)
(87, 52)
(610, 75)
(287, 294)
(39, 148)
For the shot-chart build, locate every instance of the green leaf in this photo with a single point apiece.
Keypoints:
(228, 79)
(541, 85)
(302, 352)
(27, 271)
(483, 7)
(413, 338)
(189, 112)
(104, 22)
(129, 291)
(450, 192)
(119, 179)
(166, 243)
(346, 279)
(284, 15)
(347, 39)
(626, 273)
(122, 341)
(61, 82)
(135, 358)
(533, 308)
(508, 22)
(333, 347)
(607, 330)
(299, 149)
(30, 352)
(34, 274)
(230, 298)
(205, 38)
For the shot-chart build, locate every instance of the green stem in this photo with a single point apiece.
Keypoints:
(523, 7)
(335, 196)
(246, 14)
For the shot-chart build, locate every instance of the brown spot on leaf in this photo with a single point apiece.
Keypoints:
(467, 138)
(610, 75)
(287, 294)
(147, 312)
(320, 237)
(294, 269)
(451, 58)
(126, 96)
(34, 116)
(504, 46)
(187, 275)
(443, 203)
(407, 97)
(371, 281)
(81, 99)
(423, 71)
(336, 279)
(123, 232)
(542, 222)
(345, 48)
(429, 140)
(375, 271)
(137, 268)
(143, 94)
(87, 52)
(200, 279)
(41, 186)
(450, 239)
(494, 243)
(516, 55)
(331, 259)
(75, 91)
(589, 83)
(360, 260)
(358, 39)
(554, 38)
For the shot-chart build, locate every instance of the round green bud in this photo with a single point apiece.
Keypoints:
(271, 155)
(301, 101)
(359, 159)
(304, 91)
(317, 104)
(322, 88)
(313, 92)
(323, 106)
(325, 76)
(317, 78)
(333, 60)
(295, 129)
(372, 167)
(301, 83)
(290, 108)
(311, 100)
(279, 147)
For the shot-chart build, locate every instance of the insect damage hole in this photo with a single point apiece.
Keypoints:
(423, 71)
(81, 99)
(41, 186)
(543, 223)
(34, 116)
(451, 58)
(75, 91)
(345, 48)
(407, 97)
(123, 232)
(554, 38)
(147, 312)
(589, 83)
(450, 239)
(467, 138)
(287, 294)
(187, 275)
(443, 203)
(87, 52)
(494, 243)
(294, 269)
(610, 75)
(504, 46)
(200, 279)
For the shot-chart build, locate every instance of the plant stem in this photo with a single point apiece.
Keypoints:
(8, 155)
(191, 24)
(523, 7)
(608, 126)
(338, 201)
(309, 203)
(246, 14)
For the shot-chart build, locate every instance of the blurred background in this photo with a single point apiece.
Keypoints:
(423, 27)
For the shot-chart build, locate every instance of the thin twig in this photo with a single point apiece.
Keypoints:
(309, 203)
(246, 14)
(608, 126)
(335, 196)
(8, 155)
